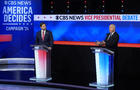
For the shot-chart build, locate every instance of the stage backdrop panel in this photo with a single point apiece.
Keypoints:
(86, 29)
(16, 27)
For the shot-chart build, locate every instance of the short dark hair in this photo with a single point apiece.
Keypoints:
(42, 24)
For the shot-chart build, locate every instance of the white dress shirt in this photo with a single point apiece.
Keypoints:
(110, 35)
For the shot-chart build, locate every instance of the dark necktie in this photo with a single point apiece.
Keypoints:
(109, 36)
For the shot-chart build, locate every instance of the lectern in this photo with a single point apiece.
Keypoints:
(42, 63)
(104, 60)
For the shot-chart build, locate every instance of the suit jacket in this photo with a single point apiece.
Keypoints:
(48, 39)
(112, 42)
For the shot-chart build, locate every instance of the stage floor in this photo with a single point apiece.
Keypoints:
(23, 87)
(16, 77)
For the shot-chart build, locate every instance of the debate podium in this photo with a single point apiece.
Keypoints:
(42, 63)
(104, 60)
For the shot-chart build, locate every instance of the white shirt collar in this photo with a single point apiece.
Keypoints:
(42, 32)
(112, 33)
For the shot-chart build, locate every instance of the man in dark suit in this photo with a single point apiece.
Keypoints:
(111, 42)
(44, 37)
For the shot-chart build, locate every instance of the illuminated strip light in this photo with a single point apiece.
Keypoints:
(97, 68)
(75, 43)
(6, 38)
(18, 69)
(88, 17)
(129, 45)
(93, 43)
(32, 59)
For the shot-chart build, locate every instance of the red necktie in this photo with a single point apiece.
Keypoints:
(43, 35)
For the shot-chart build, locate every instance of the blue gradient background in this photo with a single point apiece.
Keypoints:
(19, 47)
(91, 31)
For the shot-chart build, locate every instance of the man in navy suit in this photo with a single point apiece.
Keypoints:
(111, 42)
(44, 37)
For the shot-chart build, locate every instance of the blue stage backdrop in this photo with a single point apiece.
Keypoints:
(89, 28)
(16, 20)
(85, 31)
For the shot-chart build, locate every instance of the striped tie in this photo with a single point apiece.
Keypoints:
(109, 36)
